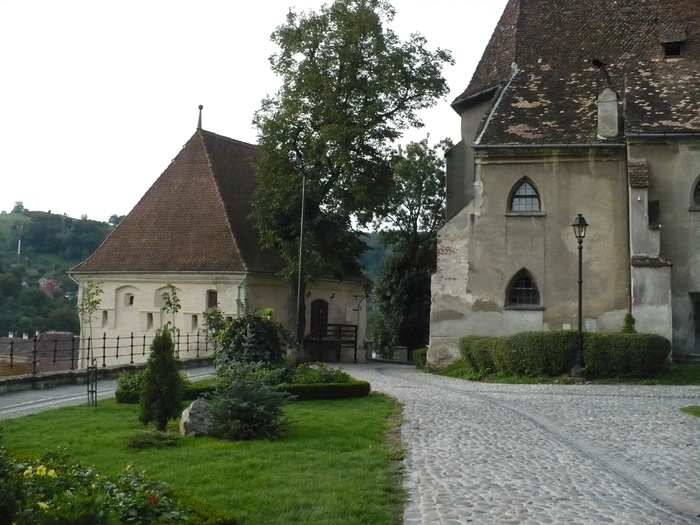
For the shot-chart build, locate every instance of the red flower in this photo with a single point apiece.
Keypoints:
(153, 499)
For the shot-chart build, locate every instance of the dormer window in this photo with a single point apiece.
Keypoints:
(672, 49)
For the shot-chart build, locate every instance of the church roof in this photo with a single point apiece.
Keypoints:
(194, 218)
(538, 69)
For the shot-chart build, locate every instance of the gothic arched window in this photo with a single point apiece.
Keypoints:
(524, 199)
(522, 290)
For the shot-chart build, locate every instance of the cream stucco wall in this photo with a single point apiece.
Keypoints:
(132, 303)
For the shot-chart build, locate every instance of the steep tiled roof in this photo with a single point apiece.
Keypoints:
(542, 50)
(195, 217)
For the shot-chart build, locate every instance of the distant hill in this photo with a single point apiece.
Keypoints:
(50, 243)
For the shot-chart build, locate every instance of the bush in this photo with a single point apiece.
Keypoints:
(161, 385)
(305, 374)
(151, 439)
(245, 406)
(420, 358)
(129, 388)
(624, 355)
(534, 354)
(628, 324)
(540, 353)
(476, 352)
(303, 392)
(254, 337)
(56, 490)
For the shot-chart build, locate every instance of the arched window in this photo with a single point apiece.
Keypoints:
(522, 290)
(696, 195)
(524, 199)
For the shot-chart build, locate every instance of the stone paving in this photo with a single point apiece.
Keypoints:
(539, 454)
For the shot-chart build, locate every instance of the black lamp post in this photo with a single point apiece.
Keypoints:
(579, 224)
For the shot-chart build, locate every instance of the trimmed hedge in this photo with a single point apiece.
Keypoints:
(302, 392)
(624, 355)
(328, 390)
(552, 353)
(420, 358)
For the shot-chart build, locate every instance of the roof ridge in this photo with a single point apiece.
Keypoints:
(229, 139)
(222, 203)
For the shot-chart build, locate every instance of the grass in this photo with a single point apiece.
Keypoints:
(669, 374)
(338, 466)
(693, 411)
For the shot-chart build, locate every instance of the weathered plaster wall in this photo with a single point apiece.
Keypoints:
(674, 170)
(484, 246)
(651, 300)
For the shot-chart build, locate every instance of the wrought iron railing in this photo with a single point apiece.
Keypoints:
(44, 354)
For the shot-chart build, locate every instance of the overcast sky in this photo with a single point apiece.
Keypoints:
(98, 96)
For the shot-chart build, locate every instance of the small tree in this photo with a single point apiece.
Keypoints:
(628, 324)
(87, 306)
(172, 307)
(161, 390)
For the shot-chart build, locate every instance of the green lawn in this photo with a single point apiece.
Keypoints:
(338, 466)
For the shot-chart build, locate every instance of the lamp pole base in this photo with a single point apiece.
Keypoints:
(576, 370)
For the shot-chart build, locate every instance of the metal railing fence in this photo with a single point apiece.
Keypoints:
(41, 354)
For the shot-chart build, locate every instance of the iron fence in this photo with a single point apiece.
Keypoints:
(46, 354)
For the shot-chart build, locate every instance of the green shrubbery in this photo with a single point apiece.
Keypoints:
(420, 358)
(129, 387)
(535, 354)
(253, 337)
(55, 490)
(624, 355)
(244, 405)
(161, 385)
(305, 392)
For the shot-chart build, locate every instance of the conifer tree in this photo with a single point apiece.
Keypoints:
(161, 387)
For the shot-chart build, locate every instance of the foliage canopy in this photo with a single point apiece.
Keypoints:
(350, 87)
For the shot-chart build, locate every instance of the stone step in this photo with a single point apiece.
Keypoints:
(688, 359)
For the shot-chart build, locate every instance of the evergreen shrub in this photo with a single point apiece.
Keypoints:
(420, 358)
(160, 398)
(301, 392)
(245, 406)
(624, 355)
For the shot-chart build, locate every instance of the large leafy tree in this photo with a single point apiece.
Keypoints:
(350, 87)
(409, 221)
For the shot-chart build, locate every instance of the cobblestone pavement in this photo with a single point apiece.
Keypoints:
(540, 454)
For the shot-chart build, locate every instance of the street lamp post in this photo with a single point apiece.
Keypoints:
(579, 224)
(300, 296)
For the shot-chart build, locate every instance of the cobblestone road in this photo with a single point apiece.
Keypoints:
(538, 454)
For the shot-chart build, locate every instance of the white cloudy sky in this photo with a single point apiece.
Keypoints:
(97, 96)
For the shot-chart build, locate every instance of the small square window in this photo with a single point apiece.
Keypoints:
(672, 49)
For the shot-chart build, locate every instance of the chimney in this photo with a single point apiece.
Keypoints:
(607, 114)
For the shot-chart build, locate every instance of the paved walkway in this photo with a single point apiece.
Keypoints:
(23, 402)
(538, 454)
